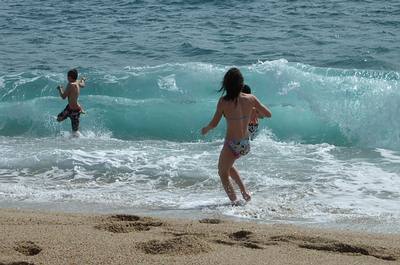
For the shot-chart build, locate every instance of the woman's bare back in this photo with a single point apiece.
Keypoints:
(238, 115)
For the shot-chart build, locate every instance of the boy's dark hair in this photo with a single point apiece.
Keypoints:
(246, 89)
(232, 84)
(73, 73)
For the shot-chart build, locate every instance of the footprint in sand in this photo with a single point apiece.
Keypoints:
(182, 245)
(122, 223)
(125, 217)
(323, 244)
(241, 238)
(28, 248)
(18, 263)
(241, 235)
(210, 221)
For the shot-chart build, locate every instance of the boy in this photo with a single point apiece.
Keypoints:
(253, 124)
(73, 109)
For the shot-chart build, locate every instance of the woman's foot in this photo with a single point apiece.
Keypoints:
(235, 203)
(238, 203)
(246, 196)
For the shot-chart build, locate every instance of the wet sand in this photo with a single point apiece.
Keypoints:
(34, 237)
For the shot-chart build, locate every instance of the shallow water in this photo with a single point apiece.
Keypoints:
(291, 182)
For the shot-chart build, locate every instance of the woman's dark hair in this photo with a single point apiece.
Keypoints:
(232, 84)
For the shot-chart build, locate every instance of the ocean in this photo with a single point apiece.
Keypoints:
(328, 71)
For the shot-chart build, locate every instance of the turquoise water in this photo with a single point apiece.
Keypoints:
(172, 101)
(55, 35)
(329, 72)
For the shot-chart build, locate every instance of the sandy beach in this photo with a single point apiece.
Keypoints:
(33, 237)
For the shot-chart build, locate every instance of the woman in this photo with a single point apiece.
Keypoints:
(236, 108)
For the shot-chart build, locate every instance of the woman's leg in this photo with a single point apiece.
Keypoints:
(225, 163)
(236, 177)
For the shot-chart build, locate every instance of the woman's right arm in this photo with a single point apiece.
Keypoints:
(261, 109)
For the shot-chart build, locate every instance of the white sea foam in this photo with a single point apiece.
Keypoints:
(290, 182)
(168, 83)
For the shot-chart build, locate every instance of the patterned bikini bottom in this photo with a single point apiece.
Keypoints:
(239, 147)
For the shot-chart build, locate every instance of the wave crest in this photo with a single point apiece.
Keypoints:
(172, 101)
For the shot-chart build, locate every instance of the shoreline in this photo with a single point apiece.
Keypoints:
(357, 225)
(38, 237)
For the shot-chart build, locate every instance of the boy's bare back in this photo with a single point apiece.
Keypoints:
(74, 91)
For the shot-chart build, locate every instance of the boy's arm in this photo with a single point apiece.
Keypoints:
(254, 115)
(64, 93)
(215, 120)
(82, 82)
(262, 110)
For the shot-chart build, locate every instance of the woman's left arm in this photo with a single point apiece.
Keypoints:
(215, 120)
